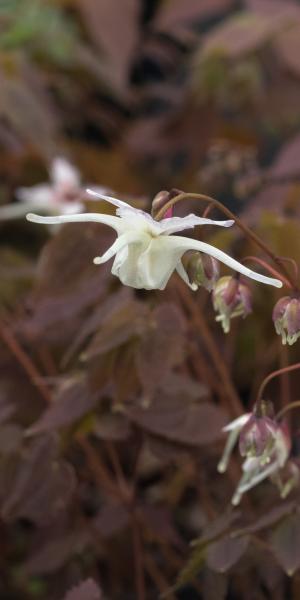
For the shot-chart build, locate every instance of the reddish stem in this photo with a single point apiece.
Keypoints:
(248, 233)
(275, 374)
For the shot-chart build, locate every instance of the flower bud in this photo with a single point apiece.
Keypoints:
(202, 269)
(286, 318)
(231, 298)
(159, 201)
(257, 437)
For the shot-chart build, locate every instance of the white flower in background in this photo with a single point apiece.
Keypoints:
(62, 195)
(268, 461)
(146, 253)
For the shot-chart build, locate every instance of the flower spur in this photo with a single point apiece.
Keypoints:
(146, 253)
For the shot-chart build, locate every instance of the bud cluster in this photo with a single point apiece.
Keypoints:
(231, 298)
(286, 318)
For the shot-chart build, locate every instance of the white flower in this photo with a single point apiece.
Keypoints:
(258, 468)
(146, 253)
(62, 195)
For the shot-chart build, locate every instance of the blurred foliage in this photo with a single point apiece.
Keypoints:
(112, 400)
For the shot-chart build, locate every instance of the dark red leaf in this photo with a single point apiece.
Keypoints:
(86, 590)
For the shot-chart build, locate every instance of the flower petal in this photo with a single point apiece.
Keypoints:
(124, 240)
(183, 274)
(174, 224)
(189, 244)
(63, 173)
(237, 423)
(114, 201)
(114, 222)
(40, 195)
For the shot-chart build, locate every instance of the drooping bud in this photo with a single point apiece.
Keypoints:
(257, 437)
(159, 201)
(231, 298)
(286, 318)
(202, 269)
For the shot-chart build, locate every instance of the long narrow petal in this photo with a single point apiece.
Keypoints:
(114, 201)
(238, 423)
(183, 274)
(63, 173)
(114, 222)
(174, 224)
(185, 244)
(122, 241)
(257, 477)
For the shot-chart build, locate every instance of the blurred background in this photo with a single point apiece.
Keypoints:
(132, 97)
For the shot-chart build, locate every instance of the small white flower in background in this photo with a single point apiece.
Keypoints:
(146, 253)
(268, 444)
(63, 194)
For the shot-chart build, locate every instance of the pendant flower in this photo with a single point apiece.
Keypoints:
(62, 195)
(272, 445)
(146, 253)
(286, 318)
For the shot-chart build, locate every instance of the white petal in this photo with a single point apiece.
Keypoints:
(190, 244)
(70, 208)
(157, 263)
(183, 274)
(114, 222)
(63, 173)
(237, 423)
(125, 239)
(114, 201)
(126, 263)
(40, 195)
(174, 224)
(258, 476)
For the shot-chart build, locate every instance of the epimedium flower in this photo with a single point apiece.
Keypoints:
(63, 194)
(145, 251)
(286, 318)
(266, 446)
(231, 298)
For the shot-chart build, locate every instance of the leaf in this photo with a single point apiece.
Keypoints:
(269, 518)
(73, 401)
(161, 347)
(54, 553)
(224, 553)
(287, 46)
(109, 22)
(241, 34)
(285, 543)
(36, 484)
(86, 590)
(213, 530)
(176, 17)
(179, 420)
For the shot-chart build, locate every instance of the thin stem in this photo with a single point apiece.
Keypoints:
(138, 560)
(248, 233)
(213, 350)
(275, 374)
(25, 361)
(292, 262)
(291, 406)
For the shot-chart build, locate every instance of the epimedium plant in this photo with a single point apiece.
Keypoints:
(146, 254)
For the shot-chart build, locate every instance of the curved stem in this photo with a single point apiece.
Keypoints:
(292, 262)
(271, 270)
(248, 233)
(286, 408)
(275, 374)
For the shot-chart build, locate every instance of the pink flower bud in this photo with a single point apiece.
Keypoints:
(231, 298)
(286, 318)
(258, 436)
(202, 269)
(159, 201)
